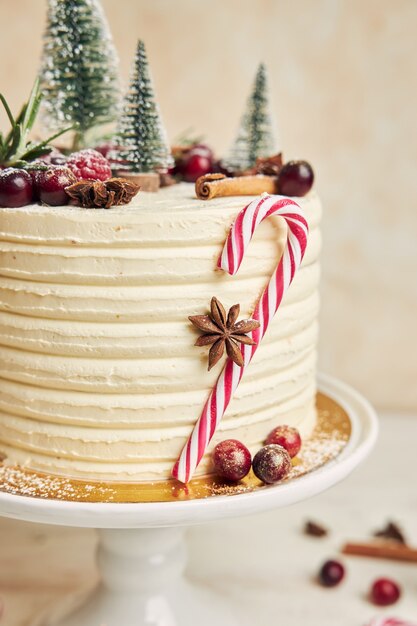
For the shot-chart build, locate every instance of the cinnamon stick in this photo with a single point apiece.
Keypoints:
(382, 550)
(218, 185)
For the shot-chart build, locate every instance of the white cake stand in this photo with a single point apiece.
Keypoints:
(142, 552)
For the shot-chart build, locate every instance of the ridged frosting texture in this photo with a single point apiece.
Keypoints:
(99, 377)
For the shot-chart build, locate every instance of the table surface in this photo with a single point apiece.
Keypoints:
(264, 563)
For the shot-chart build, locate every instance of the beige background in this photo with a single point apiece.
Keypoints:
(343, 78)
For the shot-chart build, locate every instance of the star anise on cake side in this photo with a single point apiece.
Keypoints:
(221, 330)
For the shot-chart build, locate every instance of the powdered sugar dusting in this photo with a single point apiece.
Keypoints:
(322, 447)
(18, 481)
(330, 436)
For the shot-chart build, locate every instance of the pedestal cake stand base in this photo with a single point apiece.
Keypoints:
(142, 583)
(142, 553)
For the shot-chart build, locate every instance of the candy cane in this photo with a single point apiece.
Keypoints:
(234, 249)
(390, 621)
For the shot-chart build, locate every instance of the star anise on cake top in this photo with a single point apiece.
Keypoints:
(268, 166)
(221, 330)
(99, 194)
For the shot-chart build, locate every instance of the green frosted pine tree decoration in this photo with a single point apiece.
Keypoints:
(141, 134)
(79, 74)
(256, 137)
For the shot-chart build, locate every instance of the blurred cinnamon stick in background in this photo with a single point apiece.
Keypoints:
(382, 550)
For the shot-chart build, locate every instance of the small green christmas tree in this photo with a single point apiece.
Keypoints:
(141, 134)
(255, 137)
(79, 75)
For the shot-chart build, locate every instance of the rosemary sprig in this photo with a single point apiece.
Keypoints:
(15, 147)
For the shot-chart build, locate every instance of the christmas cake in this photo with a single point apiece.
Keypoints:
(132, 322)
(99, 374)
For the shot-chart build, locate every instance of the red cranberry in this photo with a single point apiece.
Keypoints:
(107, 148)
(271, 464)
(202, 148)
(220, 168)
(16, 188)
(195, 163)
(58, 159)
(231, 459)
(295, 178)
(331, 573)
(33, 169)
(385, 592)
(287, 437)
(55, 157)
(51, 183)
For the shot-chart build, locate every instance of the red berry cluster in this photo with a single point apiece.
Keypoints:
(194, 161)
(383, 591)
(45, 180)
(232, 459)
(294, 178)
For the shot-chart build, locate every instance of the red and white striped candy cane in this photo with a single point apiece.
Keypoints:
(234, 249)
(390, 621)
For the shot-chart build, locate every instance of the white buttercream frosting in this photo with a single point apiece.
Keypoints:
(99, 376)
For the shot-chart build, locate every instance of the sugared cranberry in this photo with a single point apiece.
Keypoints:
(16, 188)
(195, 163)
(50, 185)
(89, 164)
(287, 437)
(105, 148)
(231, 459)
(295, 178)
(33, 170)
(385, 592)
(55, 157)
(331, 573)
(58, 159)
(202, 148)
(271, 463)
(220, 168)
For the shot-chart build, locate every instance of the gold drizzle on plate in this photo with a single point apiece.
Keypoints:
(329, 438)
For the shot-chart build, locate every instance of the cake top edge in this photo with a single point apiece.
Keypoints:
(180, 198)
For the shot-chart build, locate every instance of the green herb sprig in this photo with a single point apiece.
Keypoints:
(16, 150)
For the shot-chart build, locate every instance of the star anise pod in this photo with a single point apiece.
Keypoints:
(268, 166)
(221, 330)
(391, 532)
(99, 194)
(315, 530)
